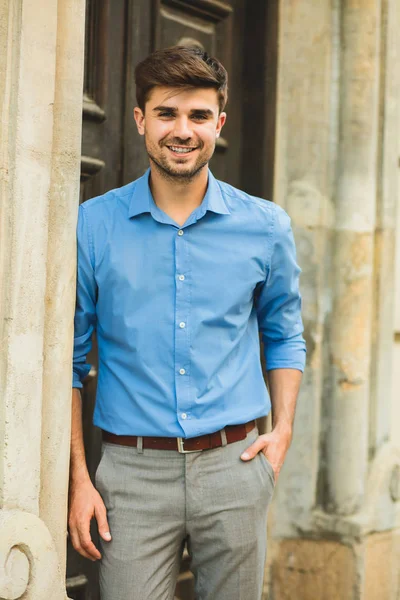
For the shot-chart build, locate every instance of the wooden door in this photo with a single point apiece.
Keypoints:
(120, 33)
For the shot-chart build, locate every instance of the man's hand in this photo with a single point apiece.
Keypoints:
(85, 503)
(274, 445)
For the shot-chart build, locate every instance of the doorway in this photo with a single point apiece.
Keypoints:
(120, 33)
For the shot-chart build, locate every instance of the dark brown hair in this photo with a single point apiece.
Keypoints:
(181, 67)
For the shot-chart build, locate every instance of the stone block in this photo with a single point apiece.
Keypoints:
(314, 570)
(382, 566)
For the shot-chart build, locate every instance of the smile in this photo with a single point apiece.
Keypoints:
(181, 150)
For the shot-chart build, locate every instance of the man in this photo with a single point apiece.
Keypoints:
(178, 273)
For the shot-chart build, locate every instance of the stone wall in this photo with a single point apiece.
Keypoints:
(334, 522)
(395, 414)
(41, 74)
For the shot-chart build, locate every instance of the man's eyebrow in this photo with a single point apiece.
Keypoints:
(165, 109)
(202, 111)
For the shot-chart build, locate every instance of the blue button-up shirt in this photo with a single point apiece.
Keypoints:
(177, 310)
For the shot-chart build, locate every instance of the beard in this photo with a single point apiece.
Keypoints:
(171, 171)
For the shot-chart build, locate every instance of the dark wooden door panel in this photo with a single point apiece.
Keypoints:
(139, 43)
(176, 27)
(207, 24)
(104, 102)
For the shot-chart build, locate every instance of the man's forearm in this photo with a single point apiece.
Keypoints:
(78, 467)
(284, 385)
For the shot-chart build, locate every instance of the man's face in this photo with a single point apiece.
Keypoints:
(180, 128)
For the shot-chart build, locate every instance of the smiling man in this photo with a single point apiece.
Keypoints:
(178, 273)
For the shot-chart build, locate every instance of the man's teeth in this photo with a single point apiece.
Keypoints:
(181, 150)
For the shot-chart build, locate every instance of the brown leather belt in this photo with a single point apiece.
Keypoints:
(234, 433)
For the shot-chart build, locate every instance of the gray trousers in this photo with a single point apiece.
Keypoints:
(157, 499)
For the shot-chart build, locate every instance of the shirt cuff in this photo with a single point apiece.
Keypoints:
(286, 354)
(76, 383)
(78, 376)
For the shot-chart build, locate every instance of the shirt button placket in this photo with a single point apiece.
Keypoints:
(182, 308)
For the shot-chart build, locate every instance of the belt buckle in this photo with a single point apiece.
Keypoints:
(181, 449)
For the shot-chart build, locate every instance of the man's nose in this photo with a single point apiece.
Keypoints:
(182, 128)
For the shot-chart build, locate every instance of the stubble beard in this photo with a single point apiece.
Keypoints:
(175, 175)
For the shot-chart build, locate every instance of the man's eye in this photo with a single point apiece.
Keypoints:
(165, 114)
(199, 117)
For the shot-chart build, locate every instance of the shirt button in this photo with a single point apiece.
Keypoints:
(182, 371)
(182, 325)
(184, 416)
(181, 277)
(180, 232)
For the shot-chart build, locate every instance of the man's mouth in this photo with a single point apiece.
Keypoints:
(182, 149)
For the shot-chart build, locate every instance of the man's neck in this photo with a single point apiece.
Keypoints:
(180, 195)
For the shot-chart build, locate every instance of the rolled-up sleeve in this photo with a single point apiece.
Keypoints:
(278, 301)
(86, 293)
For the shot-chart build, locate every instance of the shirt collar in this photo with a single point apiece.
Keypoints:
(142, 199)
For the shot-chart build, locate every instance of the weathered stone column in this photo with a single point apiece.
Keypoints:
(41, 71)
(387, 201)
(334, 522)
(347, 442)
(304, 172)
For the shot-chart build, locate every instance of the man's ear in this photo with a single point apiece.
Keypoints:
(221, 123)
(139, 118)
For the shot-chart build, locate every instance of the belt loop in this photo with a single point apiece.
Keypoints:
(139, 444)
(223, 437)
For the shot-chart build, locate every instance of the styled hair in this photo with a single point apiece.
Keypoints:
(180, 67)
